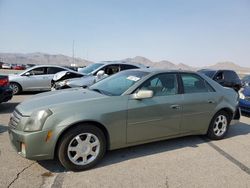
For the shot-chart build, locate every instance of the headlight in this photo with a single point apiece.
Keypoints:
(37, 120)
(241, 95)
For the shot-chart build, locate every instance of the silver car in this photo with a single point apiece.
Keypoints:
(37, 78)
(89, 75)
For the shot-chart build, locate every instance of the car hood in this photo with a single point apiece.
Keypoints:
(61, 74)
(13, 76)
(49, 100)
(79, 82)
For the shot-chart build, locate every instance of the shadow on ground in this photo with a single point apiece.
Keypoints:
(245, 114)
(6, 108)
(3, 129)
(121, 155)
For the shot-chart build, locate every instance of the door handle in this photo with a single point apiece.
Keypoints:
(210, 101)
(175, 106)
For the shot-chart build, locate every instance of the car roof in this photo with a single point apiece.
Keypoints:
(37, 66)
(216, 70)
(122, 62)
(157, 70)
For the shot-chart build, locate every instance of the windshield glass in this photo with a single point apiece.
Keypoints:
(90, 68)
(209, 73)
(118, 83)
(246, 78)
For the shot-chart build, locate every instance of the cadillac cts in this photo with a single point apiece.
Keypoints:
(129, 108)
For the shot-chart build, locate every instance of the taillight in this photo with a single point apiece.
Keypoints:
(4, 82)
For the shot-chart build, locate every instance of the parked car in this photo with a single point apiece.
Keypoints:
(246, 80)
(5, 90)
(6, 66)
(27, 66)
(90, 74)
(227, 78)
(244, 103)
(128, 108)
(19, 67)
(37, 78)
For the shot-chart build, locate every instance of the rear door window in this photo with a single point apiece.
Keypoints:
(162, 84)
(38, 71)
(230, 76)
(54, 70)
(193, 83)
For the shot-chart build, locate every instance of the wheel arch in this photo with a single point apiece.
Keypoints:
(229, 111)
(95, 123)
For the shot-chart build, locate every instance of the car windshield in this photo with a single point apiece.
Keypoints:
(209, 73)
(90, 68)
(117, 84)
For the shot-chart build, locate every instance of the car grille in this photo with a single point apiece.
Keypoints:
(15, 119)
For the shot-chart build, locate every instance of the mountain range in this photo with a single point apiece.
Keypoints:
(43, 58)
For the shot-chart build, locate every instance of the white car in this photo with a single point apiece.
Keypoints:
(6, 66)
(37, 78)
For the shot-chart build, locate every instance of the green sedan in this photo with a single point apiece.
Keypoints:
(129, 108)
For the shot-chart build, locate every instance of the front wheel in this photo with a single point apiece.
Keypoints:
(82, 147)
(218, 126)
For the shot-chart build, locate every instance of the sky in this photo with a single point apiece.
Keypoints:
(194, 32)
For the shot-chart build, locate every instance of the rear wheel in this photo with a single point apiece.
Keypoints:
(82, 147)
(218, 126)
(16, 88)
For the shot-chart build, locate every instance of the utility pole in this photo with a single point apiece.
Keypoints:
(73, 52)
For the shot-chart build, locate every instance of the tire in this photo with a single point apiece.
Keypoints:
(218, 126)
(81, 147)
(16, 88)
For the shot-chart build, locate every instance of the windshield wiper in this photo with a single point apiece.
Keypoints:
(101, 91)
(97, 90)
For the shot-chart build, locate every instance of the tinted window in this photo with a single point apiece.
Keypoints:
(126, 67)
(38, 71)
(162, 85)
(111, 69)
(54, 70)
(193, 83)
(219, 76)
(230, 76)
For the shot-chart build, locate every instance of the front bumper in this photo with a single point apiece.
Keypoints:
(36, 147)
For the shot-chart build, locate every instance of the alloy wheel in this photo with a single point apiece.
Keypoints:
(220, 125)
(83, 149)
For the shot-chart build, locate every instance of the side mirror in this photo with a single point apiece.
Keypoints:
(27, 74)
(143, 94)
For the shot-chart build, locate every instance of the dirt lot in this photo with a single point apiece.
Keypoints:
(185, 162)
